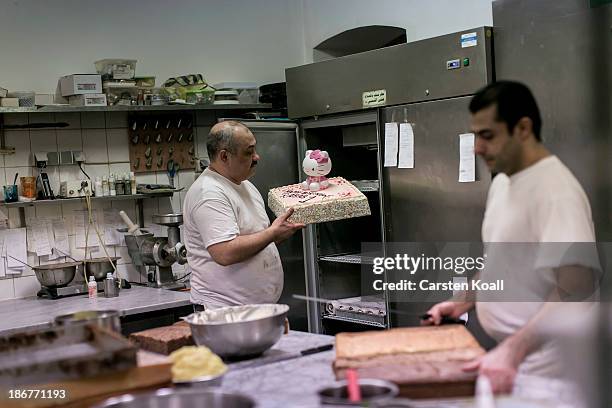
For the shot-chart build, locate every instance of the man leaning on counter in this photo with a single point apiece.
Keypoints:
(534, 199)
(231, 246)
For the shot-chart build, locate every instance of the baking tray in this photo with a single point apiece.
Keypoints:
(65, 352)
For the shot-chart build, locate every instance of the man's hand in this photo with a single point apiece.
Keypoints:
(449, 309)
(499, 366)
(283, 229)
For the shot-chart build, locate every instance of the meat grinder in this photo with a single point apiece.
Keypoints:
(155, 255)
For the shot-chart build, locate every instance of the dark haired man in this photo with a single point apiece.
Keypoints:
(230, 243)
(534, 199)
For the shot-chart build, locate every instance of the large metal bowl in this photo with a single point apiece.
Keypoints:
(108, 319)
(238, 331)
(99, 267)
(184, 398)
(56, 275)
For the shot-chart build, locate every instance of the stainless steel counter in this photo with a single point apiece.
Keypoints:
(33, 312)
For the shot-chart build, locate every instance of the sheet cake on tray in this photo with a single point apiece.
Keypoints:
(339, 201)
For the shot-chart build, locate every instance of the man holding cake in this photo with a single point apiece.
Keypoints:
(534, 199)
(231, 246)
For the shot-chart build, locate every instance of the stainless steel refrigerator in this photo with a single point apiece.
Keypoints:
(342, 105)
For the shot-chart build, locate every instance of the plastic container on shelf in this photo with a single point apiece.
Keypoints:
(248, 92)
(26, 98)
(200, 96)
(116, 68)
(227, 97)
(145, 81)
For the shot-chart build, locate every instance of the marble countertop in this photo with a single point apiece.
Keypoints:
(289, 383)
(34, 312)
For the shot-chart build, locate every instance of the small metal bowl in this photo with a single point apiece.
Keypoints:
(371, 391)
(198, 382)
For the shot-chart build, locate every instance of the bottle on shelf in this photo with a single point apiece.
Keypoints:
(111, 185)
(105, 187)
(128, 184)
(98, 191)
(133, 182)
(119, 185)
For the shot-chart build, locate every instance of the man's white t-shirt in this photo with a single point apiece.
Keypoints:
(543, 203)
(217, 210)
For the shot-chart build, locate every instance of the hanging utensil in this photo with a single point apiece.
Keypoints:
(20, 261)
(65, 254)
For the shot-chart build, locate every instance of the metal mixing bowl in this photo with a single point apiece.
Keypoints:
(108, 319)
(99, 267)
(184, 398)
(238, 331)
(56, 275)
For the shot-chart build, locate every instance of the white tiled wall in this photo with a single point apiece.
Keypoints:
(103, 137)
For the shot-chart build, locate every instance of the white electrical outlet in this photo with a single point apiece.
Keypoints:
(79, 157)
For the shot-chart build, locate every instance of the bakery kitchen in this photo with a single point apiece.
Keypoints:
(409, 285)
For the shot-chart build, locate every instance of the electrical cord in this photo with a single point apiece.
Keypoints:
(182, 277)
(81, 167)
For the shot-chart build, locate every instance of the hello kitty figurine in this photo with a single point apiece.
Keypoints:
(316, 165)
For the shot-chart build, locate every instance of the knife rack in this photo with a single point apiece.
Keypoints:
(155, 139)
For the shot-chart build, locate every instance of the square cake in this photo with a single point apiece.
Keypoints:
(339, 201)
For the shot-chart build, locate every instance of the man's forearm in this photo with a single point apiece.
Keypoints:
(241, 248)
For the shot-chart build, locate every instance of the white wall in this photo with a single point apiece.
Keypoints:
(226, 40)
(421, 18)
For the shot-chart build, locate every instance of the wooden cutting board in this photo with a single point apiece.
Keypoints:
(425, 362)
(152, 373)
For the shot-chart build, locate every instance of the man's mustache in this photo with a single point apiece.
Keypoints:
(254, 163)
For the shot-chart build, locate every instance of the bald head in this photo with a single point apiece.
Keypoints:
(222, 136)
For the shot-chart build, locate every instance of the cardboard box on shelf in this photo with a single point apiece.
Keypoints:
(44, 99)
(9, 102)
(88, 100)
(80, 84)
